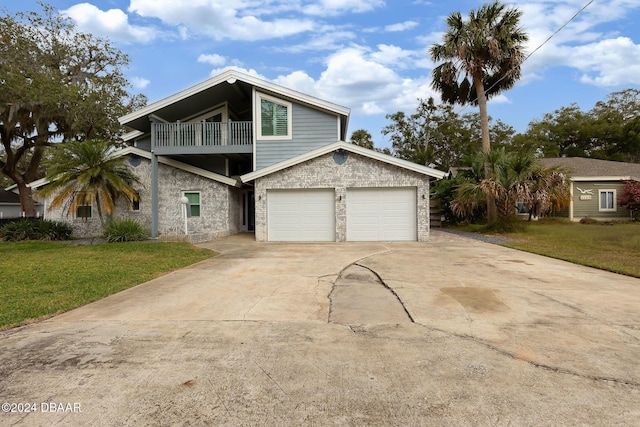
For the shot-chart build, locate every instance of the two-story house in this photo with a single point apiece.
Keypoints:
(250, 155)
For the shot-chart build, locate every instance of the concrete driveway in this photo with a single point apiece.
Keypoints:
(450, 332)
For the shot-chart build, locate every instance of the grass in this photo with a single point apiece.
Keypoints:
(613, 247)
(40, 279)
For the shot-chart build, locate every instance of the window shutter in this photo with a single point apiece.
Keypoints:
(281, 127)
(274, 118)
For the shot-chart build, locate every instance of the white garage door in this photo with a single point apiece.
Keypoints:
(301, 215)
(381, 214)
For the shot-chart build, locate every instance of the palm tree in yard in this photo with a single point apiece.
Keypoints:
(84, 173)
(482, 57)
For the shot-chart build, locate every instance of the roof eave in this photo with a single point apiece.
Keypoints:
(231, 75)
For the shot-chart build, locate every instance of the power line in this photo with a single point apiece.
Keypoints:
(559, 29)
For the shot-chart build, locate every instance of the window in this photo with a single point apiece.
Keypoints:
(83, 211)
(607, 200)
(194, 202)
(274, 118)
(135, 204)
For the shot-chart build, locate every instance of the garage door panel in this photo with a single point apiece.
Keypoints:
(378, 214)
(301, 215)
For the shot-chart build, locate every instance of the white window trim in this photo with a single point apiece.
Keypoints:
(184, 193)
(615, 206)
(260, 97)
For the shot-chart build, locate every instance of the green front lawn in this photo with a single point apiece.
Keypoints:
(40, 279)
(612, 247)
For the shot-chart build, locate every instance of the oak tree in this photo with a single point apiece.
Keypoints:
(56, 84)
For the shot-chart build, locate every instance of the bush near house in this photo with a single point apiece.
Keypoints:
(124, 230)
(630, 198)
(35, 229)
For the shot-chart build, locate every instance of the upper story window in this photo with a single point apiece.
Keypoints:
(274, 118)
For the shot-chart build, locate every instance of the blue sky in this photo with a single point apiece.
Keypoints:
(368, 55)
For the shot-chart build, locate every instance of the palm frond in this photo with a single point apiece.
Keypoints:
(82, 173)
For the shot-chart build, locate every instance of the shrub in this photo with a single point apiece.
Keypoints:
(630, 198)
(29, 229)
(124, 230)
(54, 230)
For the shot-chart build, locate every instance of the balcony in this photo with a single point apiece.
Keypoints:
(202, 138)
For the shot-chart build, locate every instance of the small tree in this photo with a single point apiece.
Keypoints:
(83, 173)
(630, 198)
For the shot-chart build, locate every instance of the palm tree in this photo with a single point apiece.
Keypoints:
(81, 173)
(514, 178)
(483, 55)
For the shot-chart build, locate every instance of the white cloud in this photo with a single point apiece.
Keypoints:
(335, 7)
(113, 24)
(298, 80)
(139, 82)
(220, 19)
(611, 62)
(402, 26)
(395, 56)
(353, 79)
(249, 71)
(213, 59)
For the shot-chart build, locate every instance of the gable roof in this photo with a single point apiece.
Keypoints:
(226, 85)
(341, 145)
(582, 168)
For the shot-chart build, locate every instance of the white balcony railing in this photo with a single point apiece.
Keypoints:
(202, 134)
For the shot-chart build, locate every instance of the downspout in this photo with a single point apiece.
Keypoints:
(154, 183)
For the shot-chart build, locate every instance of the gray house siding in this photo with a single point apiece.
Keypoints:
(144, 143)
(589, 207)
(357, 172)
(311, 129)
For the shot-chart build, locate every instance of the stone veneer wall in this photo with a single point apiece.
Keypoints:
(220, 206)
(357, 172)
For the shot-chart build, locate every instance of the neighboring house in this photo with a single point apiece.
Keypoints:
(10, 204)
(250, 155)
(595, 186)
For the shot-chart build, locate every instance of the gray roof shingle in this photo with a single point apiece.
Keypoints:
(584, 167)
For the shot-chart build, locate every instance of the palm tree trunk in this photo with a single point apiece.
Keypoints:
(492, 214)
